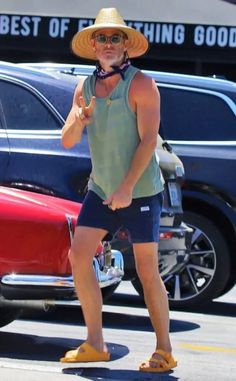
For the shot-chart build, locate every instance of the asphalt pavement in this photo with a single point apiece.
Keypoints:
(203, 342)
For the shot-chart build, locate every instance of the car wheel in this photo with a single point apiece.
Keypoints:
(108, 291)
(230, 284)
(205, 272)
(7, 315)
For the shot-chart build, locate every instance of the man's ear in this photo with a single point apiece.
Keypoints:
(92, 42)
(126, 45)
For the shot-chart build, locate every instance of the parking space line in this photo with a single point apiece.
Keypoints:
(25, 365)
(208, 348)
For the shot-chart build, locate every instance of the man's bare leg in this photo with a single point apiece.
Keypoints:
(85, 243)
(155, 294)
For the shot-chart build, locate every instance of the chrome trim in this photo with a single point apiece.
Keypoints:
(34, 132)
(210, 143)
(37, 280)
(105, 277)
(28, 135)
(70, 226)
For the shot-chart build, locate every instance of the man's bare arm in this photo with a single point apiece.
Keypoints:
(147, 101)
(79, 116)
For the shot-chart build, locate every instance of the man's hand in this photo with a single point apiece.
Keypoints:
(79, 116)
(84, 113)
(121, 198)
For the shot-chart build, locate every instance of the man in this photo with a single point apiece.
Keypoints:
(120, 107)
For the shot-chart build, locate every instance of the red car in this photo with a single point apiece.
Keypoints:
(35, 236)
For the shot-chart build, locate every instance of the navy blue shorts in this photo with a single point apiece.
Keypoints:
(141, 218)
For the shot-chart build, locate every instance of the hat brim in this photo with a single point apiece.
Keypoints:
(137, 44)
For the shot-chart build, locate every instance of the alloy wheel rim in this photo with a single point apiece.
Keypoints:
(196, 274)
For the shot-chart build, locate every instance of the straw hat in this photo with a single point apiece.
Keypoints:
(137, 43)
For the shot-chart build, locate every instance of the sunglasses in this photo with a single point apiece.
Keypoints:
(114, 39)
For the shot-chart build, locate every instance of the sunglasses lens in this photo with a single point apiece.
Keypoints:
(101, 39)
(116, 39)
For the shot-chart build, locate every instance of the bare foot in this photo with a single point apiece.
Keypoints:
(160, 361)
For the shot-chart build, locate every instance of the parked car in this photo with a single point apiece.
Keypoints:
(198, 119)
(34, 105)
(201, 128)
(36, 232)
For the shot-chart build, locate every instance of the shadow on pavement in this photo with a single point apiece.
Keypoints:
(142, 323)
(114, 320)
(215, 308)
(117, 374)
(212, 308)
(24, 346)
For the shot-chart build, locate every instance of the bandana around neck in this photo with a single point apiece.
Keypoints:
(100, 73)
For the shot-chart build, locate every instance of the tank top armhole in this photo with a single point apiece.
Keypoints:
(87, 89)
(131, 76)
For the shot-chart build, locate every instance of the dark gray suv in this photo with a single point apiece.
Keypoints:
(198, 119)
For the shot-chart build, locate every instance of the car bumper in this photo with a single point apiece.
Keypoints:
(30, 287)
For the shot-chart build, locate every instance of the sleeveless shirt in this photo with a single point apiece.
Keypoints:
(113, 139)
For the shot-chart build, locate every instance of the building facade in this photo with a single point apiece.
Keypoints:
(188, 36)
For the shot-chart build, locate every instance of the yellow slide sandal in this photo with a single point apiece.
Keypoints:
(163, 364)
(85, 353)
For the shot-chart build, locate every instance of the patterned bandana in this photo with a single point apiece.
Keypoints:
(100, 73)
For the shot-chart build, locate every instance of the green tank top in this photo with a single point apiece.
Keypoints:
(113, 138)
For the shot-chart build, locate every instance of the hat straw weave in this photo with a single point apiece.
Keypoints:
(137, 43)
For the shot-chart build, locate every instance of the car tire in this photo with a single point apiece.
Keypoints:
(230, 284)
(201, 279)
(212, 233)
(107, 292)
(7, 315)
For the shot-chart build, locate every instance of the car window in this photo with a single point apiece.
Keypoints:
(192, 115)
(23, 110)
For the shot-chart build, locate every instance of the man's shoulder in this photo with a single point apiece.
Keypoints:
(139, 74)
(142, 85)
(86, 82)
(141, 79)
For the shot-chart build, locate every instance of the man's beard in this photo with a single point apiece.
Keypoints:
(113, 60)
